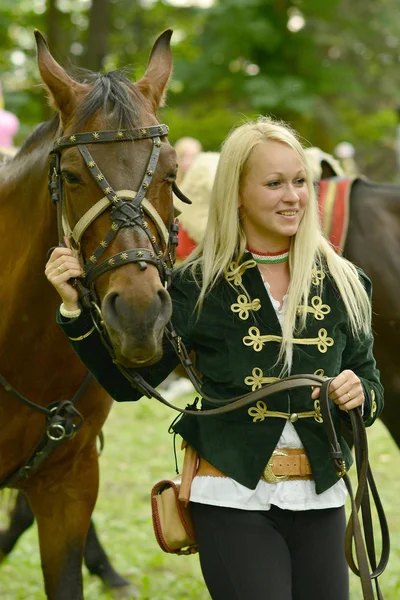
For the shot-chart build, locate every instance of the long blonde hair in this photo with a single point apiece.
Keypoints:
(224, 239)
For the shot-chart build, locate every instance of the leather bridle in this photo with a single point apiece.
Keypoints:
(129, 209)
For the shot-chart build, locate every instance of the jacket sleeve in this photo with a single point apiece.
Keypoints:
(87, 343)
(358, 357)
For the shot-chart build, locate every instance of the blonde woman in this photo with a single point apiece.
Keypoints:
(263, 295)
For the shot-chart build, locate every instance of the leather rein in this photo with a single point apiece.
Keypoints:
(130, 209)
(362, 537)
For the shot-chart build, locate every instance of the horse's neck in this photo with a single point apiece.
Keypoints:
(27, 230)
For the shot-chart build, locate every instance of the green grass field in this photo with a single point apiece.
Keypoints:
(137, 453)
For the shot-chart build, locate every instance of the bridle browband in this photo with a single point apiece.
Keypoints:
(129, 209)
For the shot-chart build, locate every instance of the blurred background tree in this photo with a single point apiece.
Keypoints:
(329, 68)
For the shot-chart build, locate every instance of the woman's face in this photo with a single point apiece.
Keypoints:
(273, 196)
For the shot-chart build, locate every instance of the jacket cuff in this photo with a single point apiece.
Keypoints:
(76, 329)
(370, 406)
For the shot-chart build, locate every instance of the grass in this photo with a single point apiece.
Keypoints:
(138, 452)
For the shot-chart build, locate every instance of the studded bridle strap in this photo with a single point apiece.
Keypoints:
(100, 206)
(120, 135)
(142, 256)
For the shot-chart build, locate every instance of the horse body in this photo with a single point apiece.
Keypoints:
(35, 358)
(373, 243)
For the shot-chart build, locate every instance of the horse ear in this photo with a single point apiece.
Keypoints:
(327, 170)
(63, 90)
(154, 82)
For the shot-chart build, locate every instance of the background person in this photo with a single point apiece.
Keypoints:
(197, 185)
(262, 295)
(9, 125)
(186, 148)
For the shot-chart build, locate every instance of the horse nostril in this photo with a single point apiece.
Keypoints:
(165, 303)
(163, 295)
(110, 309)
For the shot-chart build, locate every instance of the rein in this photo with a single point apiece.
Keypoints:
(129, 209)
(363, 542)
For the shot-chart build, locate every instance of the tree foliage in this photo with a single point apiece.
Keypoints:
(329, 68)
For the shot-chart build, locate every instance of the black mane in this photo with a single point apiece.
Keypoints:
(115, 95)
(42, 131)
(112, 92)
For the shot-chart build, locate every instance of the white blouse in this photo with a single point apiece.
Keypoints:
(294, 494)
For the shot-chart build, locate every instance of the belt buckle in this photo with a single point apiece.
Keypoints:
(268, 475)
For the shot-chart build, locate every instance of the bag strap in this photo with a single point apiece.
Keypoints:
(189, 469)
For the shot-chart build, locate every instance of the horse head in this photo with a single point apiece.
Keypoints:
(111, 174)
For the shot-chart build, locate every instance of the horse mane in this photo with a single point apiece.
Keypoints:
(112, 92)
(42, 131)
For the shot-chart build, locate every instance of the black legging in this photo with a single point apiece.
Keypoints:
(272, 555)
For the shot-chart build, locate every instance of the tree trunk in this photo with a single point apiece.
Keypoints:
(57, 41)
(97, 41)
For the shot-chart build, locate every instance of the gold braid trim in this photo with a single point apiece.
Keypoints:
(257, 340)
(243, 306)
(256, 379)
(320, 372)
(82, 337)
(234, 271)
(317, 275)
(259, 412)
(317, 308)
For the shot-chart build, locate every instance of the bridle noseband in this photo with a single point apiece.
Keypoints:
(129, 209)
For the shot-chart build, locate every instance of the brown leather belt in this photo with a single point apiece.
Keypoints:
(284, 464)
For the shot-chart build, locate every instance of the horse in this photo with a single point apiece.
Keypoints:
(21, 518)
(373, 243)
(39, 370)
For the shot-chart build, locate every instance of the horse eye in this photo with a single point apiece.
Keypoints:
(71, 177)
(171, 176)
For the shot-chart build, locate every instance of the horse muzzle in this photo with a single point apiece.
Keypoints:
(136, 329)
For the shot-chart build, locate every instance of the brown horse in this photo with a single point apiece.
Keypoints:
(36, 359)
(373, 243)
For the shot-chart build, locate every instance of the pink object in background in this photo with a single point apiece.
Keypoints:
(9, 125)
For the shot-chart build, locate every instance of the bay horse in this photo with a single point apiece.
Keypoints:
(22, 518)
(373, 243)
(37, 365)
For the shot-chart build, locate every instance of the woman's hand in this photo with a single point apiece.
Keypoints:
(62, 266)
(345, 390)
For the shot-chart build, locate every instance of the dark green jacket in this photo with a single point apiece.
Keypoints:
(236, 340)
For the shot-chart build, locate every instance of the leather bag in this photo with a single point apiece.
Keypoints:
(172, 521)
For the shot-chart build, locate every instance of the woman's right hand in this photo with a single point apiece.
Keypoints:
(62, 266)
